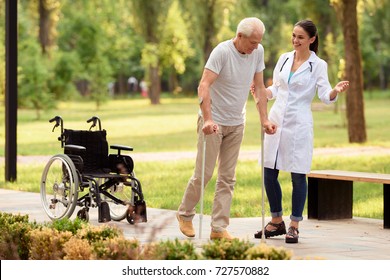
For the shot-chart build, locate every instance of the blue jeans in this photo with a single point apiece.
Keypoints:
(274, 193)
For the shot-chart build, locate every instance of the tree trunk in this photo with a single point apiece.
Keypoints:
(347, 14)
(47, 24)
(44, 26)
(209, 31)
(155, 85)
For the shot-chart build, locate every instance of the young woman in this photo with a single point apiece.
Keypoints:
(297, 77)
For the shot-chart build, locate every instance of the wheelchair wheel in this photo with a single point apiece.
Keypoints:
(118, 211)
(83, 214)
(59, 187)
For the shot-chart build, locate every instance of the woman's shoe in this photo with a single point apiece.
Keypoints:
(279, 230)
(292, 235)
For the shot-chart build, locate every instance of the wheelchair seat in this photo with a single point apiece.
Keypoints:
(95, 155)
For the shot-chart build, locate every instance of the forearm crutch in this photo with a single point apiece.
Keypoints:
(262, 187)
(202, 186)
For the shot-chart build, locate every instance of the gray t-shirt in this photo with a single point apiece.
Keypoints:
(230, 90)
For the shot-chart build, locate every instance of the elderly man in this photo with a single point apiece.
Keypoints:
(223, 91)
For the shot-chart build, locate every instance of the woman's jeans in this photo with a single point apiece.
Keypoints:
(274, 193)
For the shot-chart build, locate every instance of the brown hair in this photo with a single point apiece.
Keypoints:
(311, 30)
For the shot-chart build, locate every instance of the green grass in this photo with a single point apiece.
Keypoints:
(171, 127)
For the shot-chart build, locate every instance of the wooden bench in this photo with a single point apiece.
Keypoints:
(330, 193)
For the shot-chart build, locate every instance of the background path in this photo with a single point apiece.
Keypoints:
(244, 155)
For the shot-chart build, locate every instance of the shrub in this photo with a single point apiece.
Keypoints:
(78, 240)
(48, 243)
(173, 250)
(94, 234)
(224, 249)
(117, 248)
(14, 236)
(68, 225)
(264, 252)
(77, 249)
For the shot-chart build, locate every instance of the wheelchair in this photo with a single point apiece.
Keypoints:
(86, 176)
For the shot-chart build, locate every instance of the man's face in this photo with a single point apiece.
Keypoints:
(249, 44)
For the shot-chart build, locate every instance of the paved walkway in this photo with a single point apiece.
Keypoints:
(353, 239)
(244, 154)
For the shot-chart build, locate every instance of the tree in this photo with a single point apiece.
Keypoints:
(346, 11)
(34, 70)
(174, 46)
(48, 18)
(149, 16)
(375, 39)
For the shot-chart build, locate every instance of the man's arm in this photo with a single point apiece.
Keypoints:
(206, 81)
(260, 92)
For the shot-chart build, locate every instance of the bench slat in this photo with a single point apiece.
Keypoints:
(351, 176)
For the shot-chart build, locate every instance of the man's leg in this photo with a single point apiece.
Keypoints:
(227, 162)
(192, 193)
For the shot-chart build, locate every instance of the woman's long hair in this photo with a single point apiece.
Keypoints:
(311, 30)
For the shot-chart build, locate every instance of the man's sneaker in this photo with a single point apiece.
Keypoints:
(186, 227)
(221, 235)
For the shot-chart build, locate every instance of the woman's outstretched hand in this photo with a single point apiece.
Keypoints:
(341, 86)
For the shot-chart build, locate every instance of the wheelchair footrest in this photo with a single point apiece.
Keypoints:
(137, 213)
(104, 212)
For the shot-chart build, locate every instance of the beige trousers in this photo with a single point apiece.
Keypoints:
(224, 147)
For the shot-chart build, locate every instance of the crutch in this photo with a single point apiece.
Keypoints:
(262, 187)
(202, 186)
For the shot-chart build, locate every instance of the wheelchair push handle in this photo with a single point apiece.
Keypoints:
(94, 119)
(58, 121)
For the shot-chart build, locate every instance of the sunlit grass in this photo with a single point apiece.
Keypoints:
(171, 126)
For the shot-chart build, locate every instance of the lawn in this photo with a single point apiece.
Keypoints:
(171, 125)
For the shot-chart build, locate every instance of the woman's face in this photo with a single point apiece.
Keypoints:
(300, 39)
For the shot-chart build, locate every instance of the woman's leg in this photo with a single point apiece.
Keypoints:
(298, 203)
(299, 193)
(274, 192)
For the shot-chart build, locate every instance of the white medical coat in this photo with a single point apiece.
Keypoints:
(291, 147)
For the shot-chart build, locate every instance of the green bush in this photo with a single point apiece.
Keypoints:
(78, 240)
(14, 236)
(174, 250)
(117, 248)
(95, 234)
(264, 252)
(226, 250)
(68, 225)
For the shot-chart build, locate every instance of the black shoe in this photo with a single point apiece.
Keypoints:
(292, 235)
(280, 229)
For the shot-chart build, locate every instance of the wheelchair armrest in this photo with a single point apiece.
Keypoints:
(120, 148)
(75, 148)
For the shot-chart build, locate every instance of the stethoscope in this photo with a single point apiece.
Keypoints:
(281, 68)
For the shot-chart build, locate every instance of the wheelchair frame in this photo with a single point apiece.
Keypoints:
(79, 178)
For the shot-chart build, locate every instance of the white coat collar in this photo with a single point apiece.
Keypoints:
(307, 64)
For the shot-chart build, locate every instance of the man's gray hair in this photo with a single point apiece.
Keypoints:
(248, 25)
